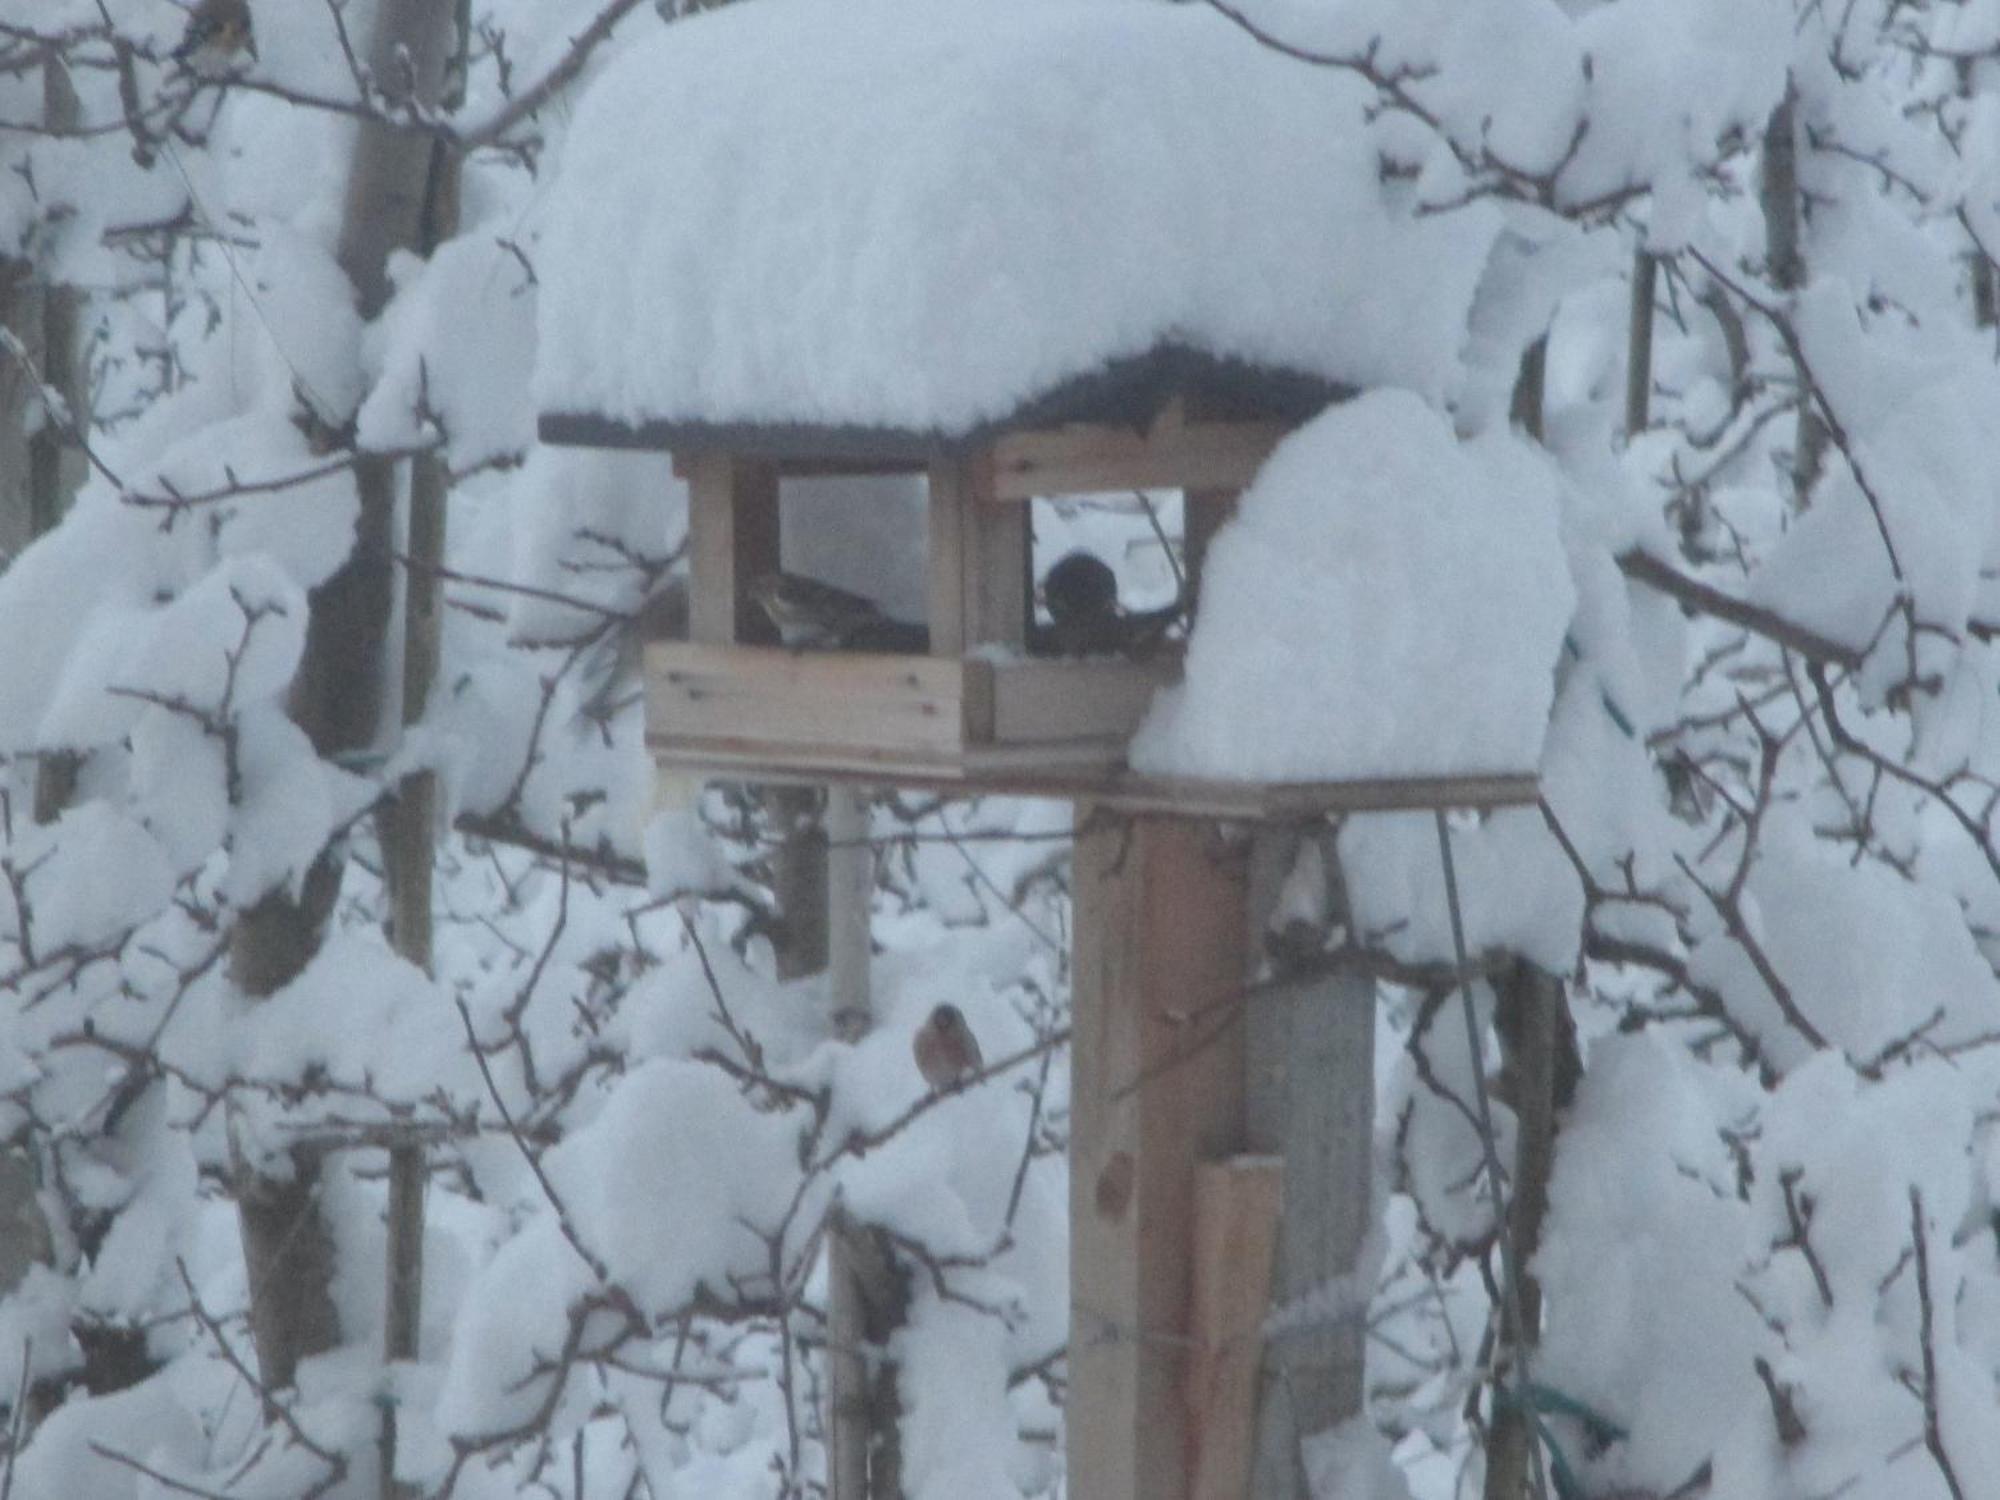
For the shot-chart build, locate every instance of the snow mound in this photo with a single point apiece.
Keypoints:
(1388, 602)
(921, 215)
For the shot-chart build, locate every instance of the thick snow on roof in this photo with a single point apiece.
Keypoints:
(1387, 602)
(921, 214)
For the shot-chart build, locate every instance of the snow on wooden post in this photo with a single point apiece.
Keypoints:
(1157, 1069)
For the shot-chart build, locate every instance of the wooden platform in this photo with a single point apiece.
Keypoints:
(971, 726)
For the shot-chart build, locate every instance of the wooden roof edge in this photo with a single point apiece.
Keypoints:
(1127, 392)
(1017, 773)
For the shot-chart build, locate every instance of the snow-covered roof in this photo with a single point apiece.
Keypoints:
(926, 216)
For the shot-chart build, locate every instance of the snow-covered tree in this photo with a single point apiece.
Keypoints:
(1730, 263)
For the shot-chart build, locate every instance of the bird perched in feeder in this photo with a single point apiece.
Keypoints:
(1081, 595)
(218, 32)
(1080, 592)
(810, 615)
(946, 1050)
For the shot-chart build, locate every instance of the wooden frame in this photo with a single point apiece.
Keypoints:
(734, 707)
(1172, 453)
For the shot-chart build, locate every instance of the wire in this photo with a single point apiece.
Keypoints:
(1510, 1265)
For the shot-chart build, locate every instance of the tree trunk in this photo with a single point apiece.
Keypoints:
(1784, 256)
(409, 825)
(336, 699)
(1539, 1072)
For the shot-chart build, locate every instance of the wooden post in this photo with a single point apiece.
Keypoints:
(978, 550)
(1639, 343)
(1203, 514)
(1236, 1208)
(732, 540)
(850, 889)
(1311, 1100)
(1157, 1070)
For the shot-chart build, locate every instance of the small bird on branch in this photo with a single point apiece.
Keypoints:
(946, 1050)
(218, 32)
(813, 616)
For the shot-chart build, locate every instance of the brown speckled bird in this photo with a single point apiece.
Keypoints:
(810, 614)
(945, 1048)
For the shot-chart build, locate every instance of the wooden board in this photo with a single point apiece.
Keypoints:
(1090, 769)
(1037, 701)
(732, 540)
(978, 553)
(1236, 1210)
(788, 701)
(1157, 1082)
(1070, 766)
(1171, 455)
(899, 706)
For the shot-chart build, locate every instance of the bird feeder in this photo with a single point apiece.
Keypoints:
(981, 712)
(1075, 250)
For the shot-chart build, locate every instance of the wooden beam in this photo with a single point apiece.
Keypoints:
(1203, 514)
(1089, 769)
(787, 700)
(1236, 1208)
(1157, 1086)
(1173, 454)
(732, 540)
(979, 585)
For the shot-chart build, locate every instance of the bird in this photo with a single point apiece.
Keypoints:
(946, 1050)
(811, 615)
(217, 31)
(1080, 592)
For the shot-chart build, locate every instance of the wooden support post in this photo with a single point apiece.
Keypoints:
(1203, 514)
(732, 540)
(979, 585)
(1639, 343)
(1157, 1070)
(1311, 1099)
(850, 888)
(1236, 1207)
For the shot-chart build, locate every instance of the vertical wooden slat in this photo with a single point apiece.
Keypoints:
(1158, 1073)
(1236, 1207)
(1203, 514)
(1639, 343)
(732, 539)
(979, 585)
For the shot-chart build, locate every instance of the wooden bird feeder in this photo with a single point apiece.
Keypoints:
(1178, 1243)
(980, 712)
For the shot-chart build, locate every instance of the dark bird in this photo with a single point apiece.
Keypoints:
(1080, 592)
(217, 32)
(810, 615)
(946, 1050)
